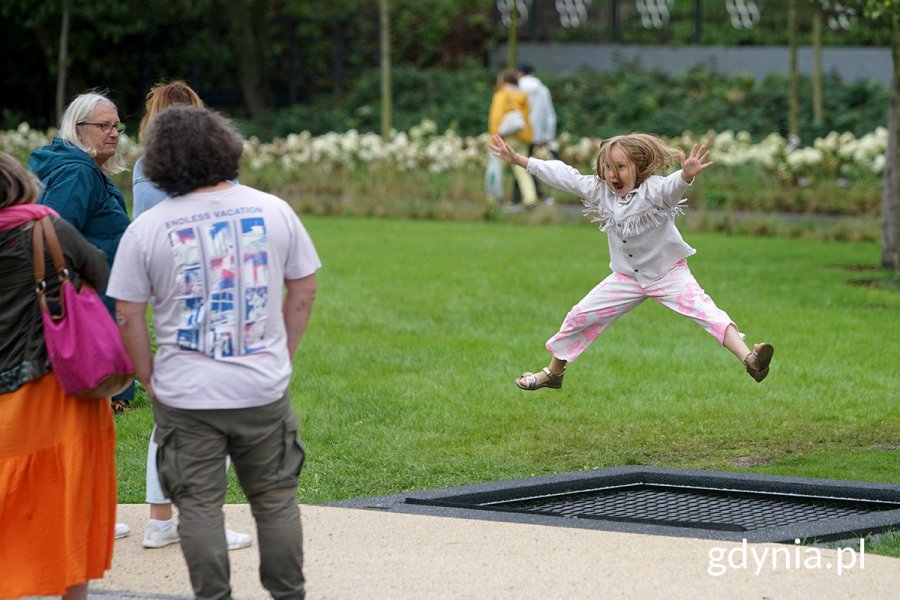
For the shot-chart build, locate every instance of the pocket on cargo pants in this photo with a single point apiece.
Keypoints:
(269, 456)
(293, 453)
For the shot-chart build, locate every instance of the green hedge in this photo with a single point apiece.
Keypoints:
(593, 104)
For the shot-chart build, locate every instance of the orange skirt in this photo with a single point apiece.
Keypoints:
(57, 489)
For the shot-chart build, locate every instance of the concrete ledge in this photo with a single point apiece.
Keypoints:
(848, 63)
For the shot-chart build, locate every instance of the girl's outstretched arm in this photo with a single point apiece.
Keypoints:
(552, 172)
(695, 162)
(503, 150)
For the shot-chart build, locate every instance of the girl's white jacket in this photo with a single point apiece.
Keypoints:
(643, 240)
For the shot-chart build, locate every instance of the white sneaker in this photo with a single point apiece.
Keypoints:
(160, 537)
(122, 530)
(236, 540)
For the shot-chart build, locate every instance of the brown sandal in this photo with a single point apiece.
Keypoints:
(528, 381)
(119, 405)
(757, 362)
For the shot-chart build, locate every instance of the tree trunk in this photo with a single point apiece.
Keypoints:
(817, 65)
(62, 62)
(386, 100)
(248, 23)
(512, 45)
(793, 118)
(337, 64)
(890, 252)
(293, 91)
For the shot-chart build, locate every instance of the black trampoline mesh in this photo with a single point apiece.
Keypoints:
(727, 510)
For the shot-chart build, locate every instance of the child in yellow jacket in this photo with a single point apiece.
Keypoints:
(508, 99)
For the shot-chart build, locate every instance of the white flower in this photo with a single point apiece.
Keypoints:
(804, 158)
(422, 147)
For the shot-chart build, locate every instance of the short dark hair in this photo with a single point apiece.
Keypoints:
(526, 68)
(189, 147)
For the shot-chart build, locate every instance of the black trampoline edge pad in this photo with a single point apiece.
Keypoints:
(664, 501)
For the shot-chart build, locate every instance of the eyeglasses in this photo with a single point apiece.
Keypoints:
(107, 127)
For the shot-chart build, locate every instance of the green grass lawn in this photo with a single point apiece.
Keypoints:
(404, 380)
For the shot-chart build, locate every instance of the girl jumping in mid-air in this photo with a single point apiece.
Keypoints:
(647, 254)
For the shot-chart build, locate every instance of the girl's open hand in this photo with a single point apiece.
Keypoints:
(695, 162)
(503, 150)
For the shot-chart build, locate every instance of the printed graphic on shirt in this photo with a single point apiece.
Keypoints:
(256, 278)
(221, 271)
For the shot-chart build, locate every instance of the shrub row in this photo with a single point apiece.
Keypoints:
(594, 104)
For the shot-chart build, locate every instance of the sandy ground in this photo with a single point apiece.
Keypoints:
(359, 554)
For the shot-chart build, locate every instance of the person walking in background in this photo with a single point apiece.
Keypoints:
(161, 529)
(648, 255)
(508, 117)
(74, 170)
(542, 116)
(57, 452)
(215, 259)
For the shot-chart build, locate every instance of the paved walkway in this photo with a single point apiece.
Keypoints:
(361, 554)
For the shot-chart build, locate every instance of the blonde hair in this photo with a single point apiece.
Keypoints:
(647, 153)
(80, 110)
(163, 95)
(18, 185)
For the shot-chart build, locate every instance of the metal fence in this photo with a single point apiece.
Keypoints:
(687, 22)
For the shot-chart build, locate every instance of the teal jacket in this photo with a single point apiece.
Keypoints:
(82, 194)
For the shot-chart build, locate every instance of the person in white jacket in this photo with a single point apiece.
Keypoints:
(540, 106)
(542, 116)
(647, 253)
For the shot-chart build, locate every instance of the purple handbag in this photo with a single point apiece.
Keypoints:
(82, 340)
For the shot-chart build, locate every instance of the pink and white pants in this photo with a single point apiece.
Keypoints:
(618, 294)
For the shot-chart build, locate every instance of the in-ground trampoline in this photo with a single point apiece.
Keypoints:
(677, 502)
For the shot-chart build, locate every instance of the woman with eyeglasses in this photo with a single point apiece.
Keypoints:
(74, 171)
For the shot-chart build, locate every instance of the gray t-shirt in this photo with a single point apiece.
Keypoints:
(214, 265)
